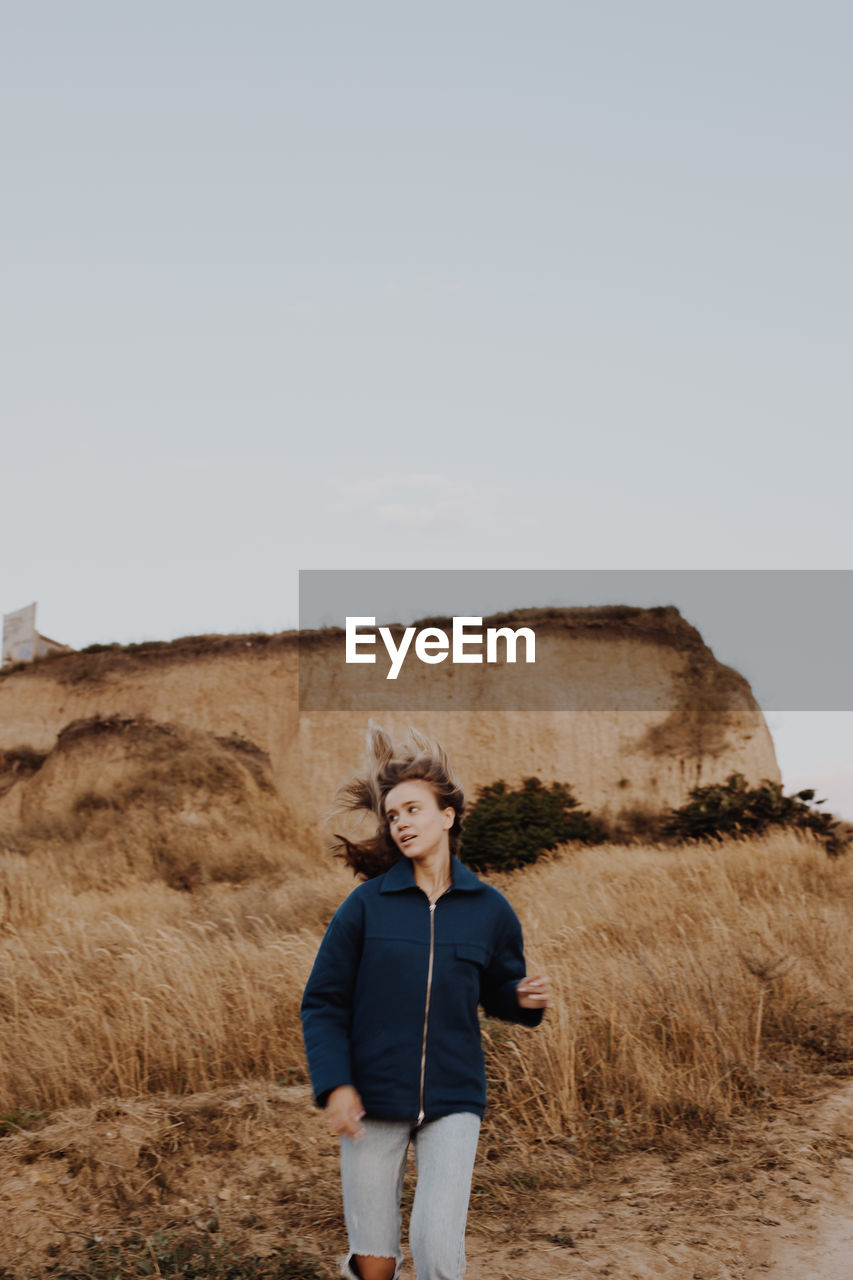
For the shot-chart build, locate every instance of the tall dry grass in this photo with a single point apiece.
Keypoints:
(154, 925)
(146, 989)
(688, 985)
(661, 963)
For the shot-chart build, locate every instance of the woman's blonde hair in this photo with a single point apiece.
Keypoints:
(388, 765)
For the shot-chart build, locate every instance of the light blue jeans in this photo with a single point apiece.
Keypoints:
(372, 1172)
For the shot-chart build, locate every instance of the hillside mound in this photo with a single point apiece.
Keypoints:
(148, 799)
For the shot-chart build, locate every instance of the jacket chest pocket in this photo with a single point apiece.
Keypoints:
(471, 952)
(463, 980)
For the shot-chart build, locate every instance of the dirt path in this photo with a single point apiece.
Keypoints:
(775, 1201)
(818, 1244)
(783, 1210)
(828, 1251)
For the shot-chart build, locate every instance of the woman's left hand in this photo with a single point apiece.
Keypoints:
(534, 993)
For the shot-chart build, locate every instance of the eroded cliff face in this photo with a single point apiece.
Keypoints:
(654, 713)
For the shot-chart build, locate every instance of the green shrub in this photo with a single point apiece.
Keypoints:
(734, 809)
(507, 828)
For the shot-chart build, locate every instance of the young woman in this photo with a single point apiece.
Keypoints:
(390, 1019)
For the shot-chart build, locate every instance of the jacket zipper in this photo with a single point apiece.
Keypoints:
(428, 993)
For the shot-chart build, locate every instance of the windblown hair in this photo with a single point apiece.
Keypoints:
(388, 765)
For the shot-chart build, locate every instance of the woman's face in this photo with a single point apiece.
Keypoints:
(418, 827)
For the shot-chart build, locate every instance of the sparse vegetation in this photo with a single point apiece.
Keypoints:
(95, 662)
(507, 828)
(196, 1257)
(18, 1119)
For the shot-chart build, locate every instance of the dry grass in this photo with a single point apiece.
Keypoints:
(689, 984)
(153, 1028)
(157, 924)
(99, 1005)
(241, 1167)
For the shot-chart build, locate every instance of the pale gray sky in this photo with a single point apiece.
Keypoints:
(480, 285)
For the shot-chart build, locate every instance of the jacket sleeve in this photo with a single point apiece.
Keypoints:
(503, 974)
(327, 1001)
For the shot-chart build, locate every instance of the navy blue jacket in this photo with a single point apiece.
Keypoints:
(391, 1003)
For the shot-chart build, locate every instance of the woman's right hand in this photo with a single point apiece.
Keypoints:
(344, 1112)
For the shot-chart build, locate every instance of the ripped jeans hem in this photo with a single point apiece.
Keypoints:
(348, 1273)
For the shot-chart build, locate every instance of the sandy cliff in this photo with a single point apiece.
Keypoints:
(653, 713)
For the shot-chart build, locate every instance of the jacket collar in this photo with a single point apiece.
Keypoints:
(402, 876)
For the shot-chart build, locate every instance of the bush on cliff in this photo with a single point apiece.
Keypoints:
(507, 828)
(734, 809)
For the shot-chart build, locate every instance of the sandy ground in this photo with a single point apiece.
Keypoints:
(780, 1208)
(254, 1163)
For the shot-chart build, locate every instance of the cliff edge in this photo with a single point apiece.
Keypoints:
(653, 711)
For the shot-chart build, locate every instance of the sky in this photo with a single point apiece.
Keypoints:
(452, 286)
